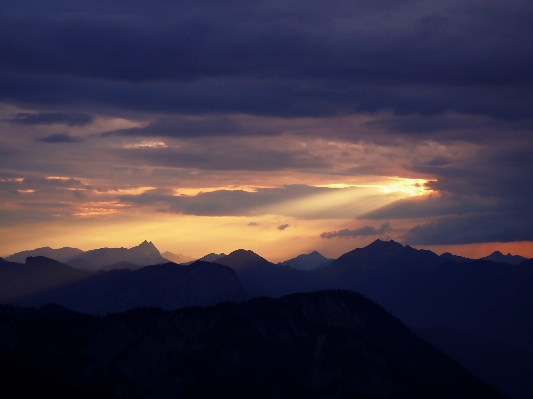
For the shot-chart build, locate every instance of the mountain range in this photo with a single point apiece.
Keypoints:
(168, 286)
(497, 256)
(327, 344)
(144, 254)
(485, 301)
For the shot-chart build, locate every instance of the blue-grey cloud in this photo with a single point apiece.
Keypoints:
(58, 138)
(187, 127)
(360, 232)
(50, 118)
(238, 202)
(263, 57)
(222, 202)
(225, 157)
(491, 227)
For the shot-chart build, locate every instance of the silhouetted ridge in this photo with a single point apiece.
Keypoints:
(506, 367)
(241, 258)
(261, 277)
(311, 261)
(328, 344)
(374, 264)
(143, 254)
(497, 256)
(38, 274)
(61, 255)
(167, 286)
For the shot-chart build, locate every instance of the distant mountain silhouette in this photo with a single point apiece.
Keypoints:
(121, 265)
(328, 344)
(508, 368)
(167, 286)
(207, 258)
(478, 298)
(61, 255)
(311, 261)
(261, 277)
(36, 275)
(2, 260)
(177, 258)
(142, 255)
(376, 264)
(497, 256)
(448, 257)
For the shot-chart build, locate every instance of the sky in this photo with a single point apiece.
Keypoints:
(277, 126)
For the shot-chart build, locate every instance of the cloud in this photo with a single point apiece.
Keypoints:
(50, 118)
(226, 156)
(298, 201)
(431, 206)
(494, 227)
(185, 127)
(253, 224)
(223, 202)
(273, 59)
(360, 232)
(282, 227)
(58, 138)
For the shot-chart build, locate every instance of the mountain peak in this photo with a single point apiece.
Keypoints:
(497, 256)
(308, 261)
(385, 244)
(245, 253)
(241, 258)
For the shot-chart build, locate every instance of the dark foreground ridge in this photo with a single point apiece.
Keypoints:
(315, 345)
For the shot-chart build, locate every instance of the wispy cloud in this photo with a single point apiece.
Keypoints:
(360, 232)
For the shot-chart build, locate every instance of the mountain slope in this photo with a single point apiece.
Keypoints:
(261, 277)
(508, 368)
(38, 274)
(329, 344)
(374, 265)
(61, 254)
(167, 286)
(177, 258)
(497, 256)
(311, 261)
(143, 254)
(479, 298)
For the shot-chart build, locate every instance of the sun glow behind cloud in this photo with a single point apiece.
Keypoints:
(403, 186)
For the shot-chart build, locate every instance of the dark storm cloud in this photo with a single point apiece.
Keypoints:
(50, 118)
(360, 232)
(299, 58)
(58, 138)
(187, 127)
(223, 202)
(224, 157)
(446, 204)
(493, 227)
(481, 198)
(453, 76)
(41, 185)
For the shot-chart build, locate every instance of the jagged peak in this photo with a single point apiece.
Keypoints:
(381, 243)
(243, 252)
